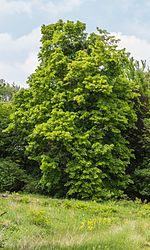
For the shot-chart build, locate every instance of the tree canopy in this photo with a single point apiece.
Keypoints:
(74, 119)
(82, 126)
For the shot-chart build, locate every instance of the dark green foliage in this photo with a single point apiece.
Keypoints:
(141, 174)
(5, 111)
(12, 178)
(12, 143)
(7, 93)
(139, 137)
(142, 182)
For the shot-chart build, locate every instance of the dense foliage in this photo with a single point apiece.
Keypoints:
(80, 124)
(7, 93)
(12, 178)
(139, 136)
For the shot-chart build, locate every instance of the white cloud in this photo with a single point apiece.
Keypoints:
(30, 63)
(18, 57)
(12, 6)
(28, 7)
(8, 44)
(139, 48)
(61, 6)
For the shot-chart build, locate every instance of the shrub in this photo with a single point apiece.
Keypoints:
(12, 177)
(34, 186)
(142, 182)
(39, 217)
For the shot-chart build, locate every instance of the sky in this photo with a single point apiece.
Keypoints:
(20, 22)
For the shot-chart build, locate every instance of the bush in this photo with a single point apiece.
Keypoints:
(142, 183)
(34, 186)
(12, 177)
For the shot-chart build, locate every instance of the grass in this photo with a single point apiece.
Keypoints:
(38, 222)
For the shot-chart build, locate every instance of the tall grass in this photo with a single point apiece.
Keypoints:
(37, 222)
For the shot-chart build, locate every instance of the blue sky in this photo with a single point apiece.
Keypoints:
(20, 22)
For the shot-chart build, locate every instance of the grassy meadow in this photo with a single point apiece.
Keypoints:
(38, 222)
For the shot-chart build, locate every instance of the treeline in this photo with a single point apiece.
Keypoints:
(82, 128)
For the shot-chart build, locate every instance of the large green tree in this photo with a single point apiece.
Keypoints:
(75, 115)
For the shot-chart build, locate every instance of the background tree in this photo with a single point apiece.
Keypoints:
(12, 178)
(15, 167)
(7, 92)
(139, 135)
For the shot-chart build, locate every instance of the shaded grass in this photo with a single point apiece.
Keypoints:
(38, 222)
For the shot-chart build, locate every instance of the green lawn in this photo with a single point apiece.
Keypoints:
(38, 222)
